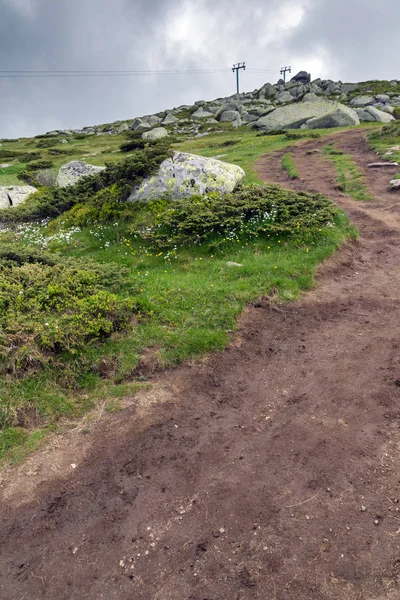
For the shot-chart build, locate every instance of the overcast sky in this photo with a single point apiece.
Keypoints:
(351, 40)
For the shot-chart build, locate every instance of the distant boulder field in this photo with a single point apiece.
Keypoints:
(340, 104)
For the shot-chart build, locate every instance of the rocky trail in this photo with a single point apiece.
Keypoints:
(269, 471)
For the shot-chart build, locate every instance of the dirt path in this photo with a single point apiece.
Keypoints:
(269, 472)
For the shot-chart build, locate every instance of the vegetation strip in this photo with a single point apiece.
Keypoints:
(350, 179)
(289, 166)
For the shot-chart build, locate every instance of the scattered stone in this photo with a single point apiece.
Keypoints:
(170, 120)
(395, 184)
(229, 116)
(233, 264)
(202, 114)
(155, 134)
(123, 127)
(72, 172)
(186, 175)
(284, 97)
(383, 165)
(362, 101)
(13, 195)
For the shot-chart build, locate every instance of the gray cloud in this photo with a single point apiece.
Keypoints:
(348, 40)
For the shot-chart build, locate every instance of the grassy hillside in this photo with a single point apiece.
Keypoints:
(96, 299)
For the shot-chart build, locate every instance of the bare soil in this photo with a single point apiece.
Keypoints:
(269, 471)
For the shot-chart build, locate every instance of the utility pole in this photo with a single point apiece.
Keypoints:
(285, 70)
(237, 69)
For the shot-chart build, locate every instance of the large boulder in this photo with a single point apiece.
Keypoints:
(184, 175)
(140, 125)
(302, 77)
(12, 195)
(370, 113)
(229, 115)
(202, 114)
(362, 101)
(284, 98)
(312, 112)
(170, 120)
(155, 134)
(72, 172)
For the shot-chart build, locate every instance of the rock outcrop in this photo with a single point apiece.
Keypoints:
(72, 172)
(186, 175)
(155, 134)
(13, 195)
(311, 113)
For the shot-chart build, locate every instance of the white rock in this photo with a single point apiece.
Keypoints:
(13, 195)
(155, 134)
(72, 172)
(186, 175)
(395, 184)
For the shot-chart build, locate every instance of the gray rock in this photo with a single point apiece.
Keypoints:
(185, 175)
(123, 127)
(155, 134)
(312, 112)
(268, 91)
(170, 120)
(140, 125)
(362, 101)
(153, 120)
(382, 98)
(370, 113)
(202, 114)
(347, 88)
(395, 184)
(284, 97)
(233, 264)
(247, 118)
(302, 76)
(229, 115)
(72, 172)
(13, 195)
(383, 165)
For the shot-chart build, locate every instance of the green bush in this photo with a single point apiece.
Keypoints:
(50, 306)
(250, 212)
(396, 113)
(26, 158)
(40, 164)
(52, 202)
(9, 153)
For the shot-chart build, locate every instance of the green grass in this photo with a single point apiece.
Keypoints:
(289, 166)
(190, 301)
(386, 139)
(350, 178)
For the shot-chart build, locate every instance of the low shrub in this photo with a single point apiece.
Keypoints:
(50, 306)
(39, 164)
(26, 158)
(10, 153)
(250, 212)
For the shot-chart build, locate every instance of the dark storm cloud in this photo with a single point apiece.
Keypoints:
(349, 40)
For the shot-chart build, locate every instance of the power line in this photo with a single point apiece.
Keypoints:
(34, 74)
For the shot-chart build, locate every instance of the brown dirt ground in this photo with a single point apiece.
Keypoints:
(269, 471)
